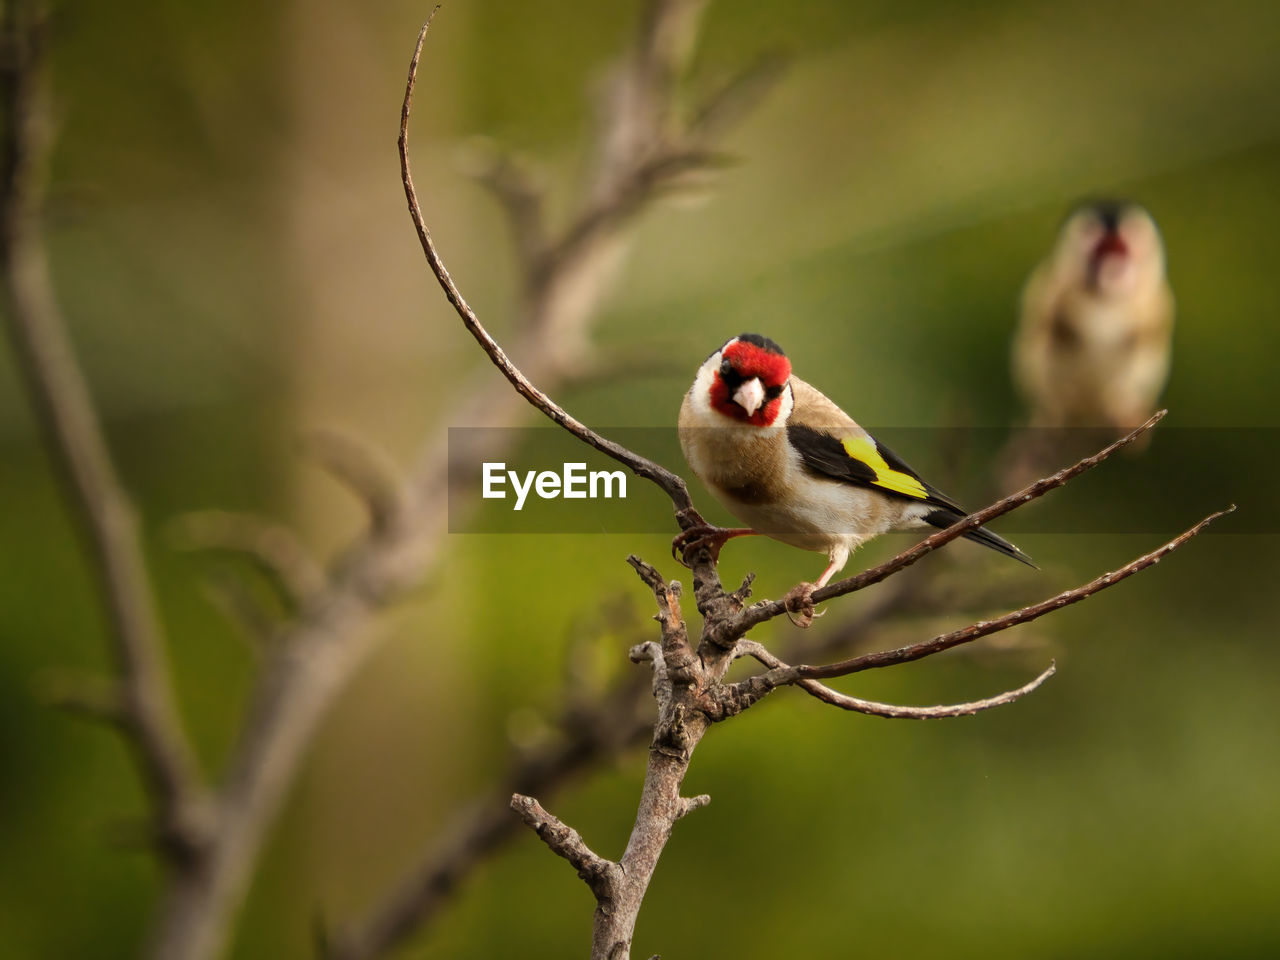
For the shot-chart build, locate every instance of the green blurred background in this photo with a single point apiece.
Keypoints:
(230, 246)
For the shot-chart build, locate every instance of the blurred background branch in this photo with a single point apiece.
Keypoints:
(144, 709)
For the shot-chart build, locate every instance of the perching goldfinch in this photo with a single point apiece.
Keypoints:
(789, 462)
(1092, 347)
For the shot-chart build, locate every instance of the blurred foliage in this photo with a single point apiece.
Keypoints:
(226, 171)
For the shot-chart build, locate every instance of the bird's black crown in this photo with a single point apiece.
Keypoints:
(764, 343)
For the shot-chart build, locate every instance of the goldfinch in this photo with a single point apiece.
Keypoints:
(795, 467)
(1092, 346)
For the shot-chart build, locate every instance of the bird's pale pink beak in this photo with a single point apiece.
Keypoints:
(750, 395)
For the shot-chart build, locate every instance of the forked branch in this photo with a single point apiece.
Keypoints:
(806, 677)
(1028, 613)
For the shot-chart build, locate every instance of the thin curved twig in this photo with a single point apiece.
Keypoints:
(891, 711)
(984, 628)
(670, 483)
(1033, 612)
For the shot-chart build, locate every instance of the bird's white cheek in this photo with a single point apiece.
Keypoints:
(786, 405)
(700, 394)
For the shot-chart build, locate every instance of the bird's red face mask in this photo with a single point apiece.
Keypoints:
(749, 384)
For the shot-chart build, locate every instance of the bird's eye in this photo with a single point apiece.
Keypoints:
(726, 368)
(774, 392)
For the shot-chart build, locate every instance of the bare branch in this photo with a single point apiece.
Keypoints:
(70, 427)
(751, 691)
(738, 97)
(518, 192)
(647, 652)
(365, 470)
(985, 628)
(589, 737)
(670, 483)
(767, 610)
(677, 655)
(233, 598)
(637, 112)
(690, 702)
(564, 841)
(90, 698)
(272, 547)
(687, 805)
(632, 194)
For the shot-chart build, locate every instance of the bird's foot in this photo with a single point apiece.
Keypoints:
(706, 535)
(799, 605)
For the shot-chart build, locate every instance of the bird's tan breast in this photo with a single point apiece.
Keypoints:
(739, 461)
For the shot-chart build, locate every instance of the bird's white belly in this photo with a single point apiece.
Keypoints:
(825, 514)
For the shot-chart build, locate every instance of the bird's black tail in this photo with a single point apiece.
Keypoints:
(944, 518)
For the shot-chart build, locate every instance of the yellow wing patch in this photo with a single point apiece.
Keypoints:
(863, 449)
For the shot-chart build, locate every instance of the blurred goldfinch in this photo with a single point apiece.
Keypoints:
(1092, 347)
(789, 462)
